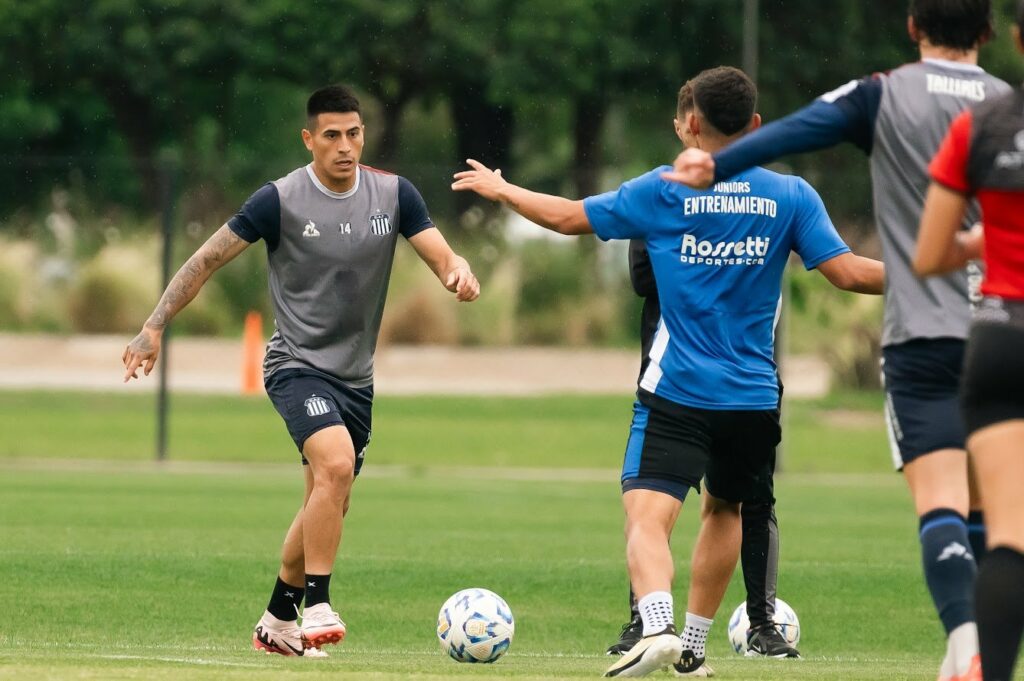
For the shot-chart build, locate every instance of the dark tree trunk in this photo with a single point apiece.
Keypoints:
(589, 114)
(387, 148)
(483, 132)
(136, 120)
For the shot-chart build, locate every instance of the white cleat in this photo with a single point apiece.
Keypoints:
(272, 635)
(650, 654)
(321, 625)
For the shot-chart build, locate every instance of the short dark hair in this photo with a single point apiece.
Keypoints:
(1020, 16)
(684, 103)
(958, 24)
(332, 99)
(726, 97)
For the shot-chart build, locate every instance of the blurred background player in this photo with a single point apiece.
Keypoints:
(983, 157)
(708, 401)
(900, 118)
(330, 247)
(759, 553)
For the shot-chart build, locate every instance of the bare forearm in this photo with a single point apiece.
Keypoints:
(186, 283)
(869, 277)
(551, 212)
(184, 286)
(960, 251)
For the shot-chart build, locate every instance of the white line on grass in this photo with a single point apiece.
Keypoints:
(180, 660)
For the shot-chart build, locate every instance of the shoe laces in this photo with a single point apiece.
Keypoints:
(632, 624)
(322, 617)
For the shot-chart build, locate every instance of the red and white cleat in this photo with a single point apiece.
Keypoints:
(321, 625)
(272, 635)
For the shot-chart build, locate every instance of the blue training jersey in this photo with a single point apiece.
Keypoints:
(718, 256)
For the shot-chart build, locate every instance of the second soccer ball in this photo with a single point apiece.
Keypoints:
(785, 621)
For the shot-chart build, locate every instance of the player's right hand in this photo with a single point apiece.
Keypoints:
(486, 182)
(142, 351)
(694, 168)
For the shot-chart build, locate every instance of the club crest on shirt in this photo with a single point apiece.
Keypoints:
(380, 224)
(310, 231)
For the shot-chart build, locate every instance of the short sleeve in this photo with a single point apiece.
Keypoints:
(412, 210)
(259, 217)
(815, 238)
(949, 167)
(624, 213)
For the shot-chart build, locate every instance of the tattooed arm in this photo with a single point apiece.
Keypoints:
(219, 249)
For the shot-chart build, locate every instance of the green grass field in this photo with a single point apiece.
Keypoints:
(117, 568)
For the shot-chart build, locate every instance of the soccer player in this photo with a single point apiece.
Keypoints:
(330, 229)
(759, 552)
(707, 406)
(899, 119)
(983, 157)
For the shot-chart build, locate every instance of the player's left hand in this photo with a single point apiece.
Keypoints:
(694, 168)
(973, 241)
(462, 282)
(482, 180)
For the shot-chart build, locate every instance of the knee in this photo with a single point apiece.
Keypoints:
(336, 474)
(719, 509)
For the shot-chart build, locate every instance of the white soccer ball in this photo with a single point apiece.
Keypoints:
(475, 625)
(785, 620)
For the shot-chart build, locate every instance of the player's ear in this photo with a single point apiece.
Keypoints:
(693, 123)
(912, 31)
(307, 139)
(1018, 39)
(755, 122)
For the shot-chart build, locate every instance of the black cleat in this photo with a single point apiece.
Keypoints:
(632, 631)
(768, 642)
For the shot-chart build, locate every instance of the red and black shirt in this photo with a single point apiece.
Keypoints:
(983, 156)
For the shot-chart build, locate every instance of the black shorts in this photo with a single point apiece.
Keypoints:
(993, 380)
(922, 403)
(310, 401)
(672, 447)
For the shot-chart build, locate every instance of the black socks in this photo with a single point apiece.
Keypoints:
(318, 589)
(285, 600)
(1000, 612)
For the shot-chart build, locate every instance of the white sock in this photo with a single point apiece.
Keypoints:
(656, 612)
(695, 633)
(963, 646)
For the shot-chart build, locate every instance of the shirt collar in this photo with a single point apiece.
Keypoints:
(333, 194)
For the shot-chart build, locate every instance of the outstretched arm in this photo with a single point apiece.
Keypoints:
(144, 349)
(942, 246)
(844, 115)
(855, 273)
(551, 212)
(451, 269)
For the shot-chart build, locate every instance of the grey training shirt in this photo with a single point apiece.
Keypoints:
(330, 256)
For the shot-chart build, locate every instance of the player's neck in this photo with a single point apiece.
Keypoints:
(929, 51)
(339, 186)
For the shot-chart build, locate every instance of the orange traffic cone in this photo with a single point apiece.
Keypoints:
(252, 354)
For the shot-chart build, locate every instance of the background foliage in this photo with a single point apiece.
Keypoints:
(111, 113)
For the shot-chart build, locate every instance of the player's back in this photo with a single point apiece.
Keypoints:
(718, 258)
(918, 102)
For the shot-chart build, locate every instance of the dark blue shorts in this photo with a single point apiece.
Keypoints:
(922, 403)
(310, 401)
(672, 447)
